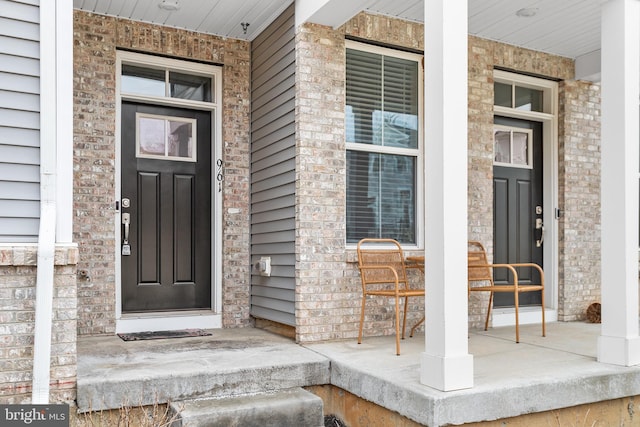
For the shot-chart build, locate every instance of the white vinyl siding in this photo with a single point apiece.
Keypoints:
(19, 121)
(273, 170)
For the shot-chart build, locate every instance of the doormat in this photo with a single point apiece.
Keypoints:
(158, 335)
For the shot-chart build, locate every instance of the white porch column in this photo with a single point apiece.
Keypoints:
(64, 120)
(446, 363)
(619, 343)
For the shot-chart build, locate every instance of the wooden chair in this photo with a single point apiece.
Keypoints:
(383, 273)
(480, 270)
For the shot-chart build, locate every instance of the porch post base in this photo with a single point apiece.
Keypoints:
(446, 373)
(619, 350)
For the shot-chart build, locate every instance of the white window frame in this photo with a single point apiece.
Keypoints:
(166, 156)
(168, 65)
(417, 153)
(512, 130)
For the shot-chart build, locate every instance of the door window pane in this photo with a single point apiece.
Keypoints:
(502, 94)
(502, 147)
(165, 138)
(520, 149)
(151, 135)
(512, 147)
(528, 99)
(181, 139)
(142, 81)
(153, 82)
(525, 99)
(186, 86)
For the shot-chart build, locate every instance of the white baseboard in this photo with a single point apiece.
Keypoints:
(528, 315)
(171, 321)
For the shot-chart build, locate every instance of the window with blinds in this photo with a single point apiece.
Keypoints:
(383, 104)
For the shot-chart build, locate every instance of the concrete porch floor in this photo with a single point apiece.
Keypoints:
(538, 374)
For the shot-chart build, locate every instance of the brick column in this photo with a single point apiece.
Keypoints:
(17, 314)
(321, 294)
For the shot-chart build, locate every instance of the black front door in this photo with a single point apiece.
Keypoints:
(518, 209)
(166, 200)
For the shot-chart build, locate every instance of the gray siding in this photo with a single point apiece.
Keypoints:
(19, 121)
(273, 169)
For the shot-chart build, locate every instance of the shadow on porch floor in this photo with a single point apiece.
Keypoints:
(539, 374)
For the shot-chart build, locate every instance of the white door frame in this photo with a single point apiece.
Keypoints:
(158, 321)
(550, 215)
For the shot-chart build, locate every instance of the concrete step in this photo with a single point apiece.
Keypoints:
(294, 407)
(113, 373)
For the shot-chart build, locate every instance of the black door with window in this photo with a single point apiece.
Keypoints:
(518, 206)
(166, 193)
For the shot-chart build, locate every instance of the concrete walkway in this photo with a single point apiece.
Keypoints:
(539, 374)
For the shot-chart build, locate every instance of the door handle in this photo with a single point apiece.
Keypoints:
(539, 226)
(126, 221)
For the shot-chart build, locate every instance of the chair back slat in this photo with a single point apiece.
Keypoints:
(383, 253)
(477, 262)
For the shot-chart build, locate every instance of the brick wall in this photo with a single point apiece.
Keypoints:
(96, 39)
(94, 169)
(578, 168)
(325, 306)
(484, 56)
(17, 317)
(579, 175)
(480, 152)
(328, 287)
(327, 294)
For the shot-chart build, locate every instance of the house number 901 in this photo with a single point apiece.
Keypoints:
(219, 174)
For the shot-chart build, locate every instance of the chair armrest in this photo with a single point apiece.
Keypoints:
(534, 265)
(528, 264)
(507, 266)
(511, 267)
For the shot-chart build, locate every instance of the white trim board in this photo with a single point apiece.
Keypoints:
(129, 323)
(159, 321)
(527, 316)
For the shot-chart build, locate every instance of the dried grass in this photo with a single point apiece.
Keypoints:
(156, 415)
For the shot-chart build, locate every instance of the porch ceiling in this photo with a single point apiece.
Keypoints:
(569, 28)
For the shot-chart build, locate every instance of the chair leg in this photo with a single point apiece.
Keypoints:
(544, 329)
(397, 326)
(516, 298)
(416, 326)
(404, 316)
(364, 298)
(486, 322)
